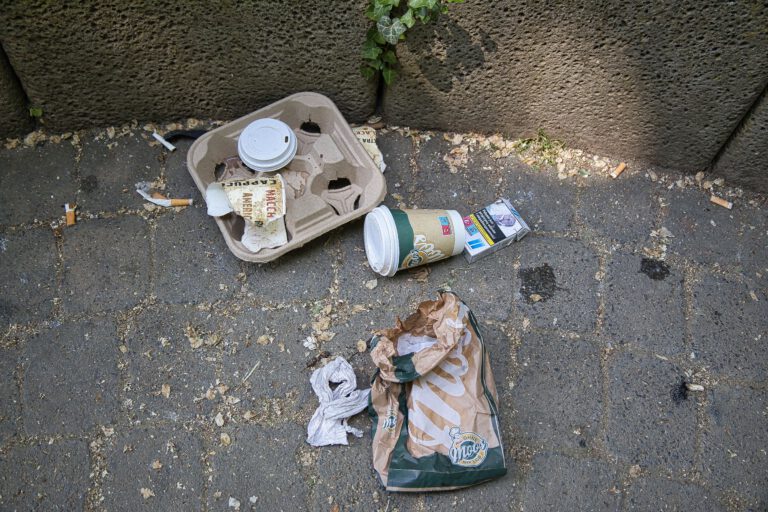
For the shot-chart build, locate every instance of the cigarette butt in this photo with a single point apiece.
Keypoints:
(181, 202)
(694, 387)
(69, 213)
(720, 201)
(159, 138)
(618, 170)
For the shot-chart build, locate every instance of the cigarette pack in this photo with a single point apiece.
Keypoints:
(492, 228)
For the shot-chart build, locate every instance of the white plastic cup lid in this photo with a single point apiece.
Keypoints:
(382, 246)
(267, 145)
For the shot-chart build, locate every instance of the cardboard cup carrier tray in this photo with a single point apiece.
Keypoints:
(330, 181)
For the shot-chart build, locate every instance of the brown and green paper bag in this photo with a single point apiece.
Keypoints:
(433, 401)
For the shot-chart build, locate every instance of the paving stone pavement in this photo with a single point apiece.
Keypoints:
(129, 338)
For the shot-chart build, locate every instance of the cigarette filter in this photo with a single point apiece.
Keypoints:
(69, 212)
(618, 170)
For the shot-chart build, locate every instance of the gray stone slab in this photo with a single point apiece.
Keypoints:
(27, 275)
(755, 244)
(106, 264)
(10, 400)
(14, 114)
(400, 174)
(361, 326)
(498, 346)
(159, 352)
(657, 494)
(193, 263)
(505, 67)
(301, 275)
(110, 169)
(395, 293)
(573, 304)
(743, 159)
(177, 483)
(501, 494)
(641, 311)
(623, 210)
(729, 328)
(734, 443)
(195, 76)
(36, 182)
(346, 474)
(558, 394)
(70, 378)
(474, 185)
(559, 482)
(179, 182)
(487, 285)
(651, 420)
(281, 363)
(45, 476)
(703, 231)
(260, 463)
(546, 204)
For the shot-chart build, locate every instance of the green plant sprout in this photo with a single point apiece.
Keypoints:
(542, 146)
(392, 19)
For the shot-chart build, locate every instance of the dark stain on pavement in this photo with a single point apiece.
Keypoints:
(655, 269)
(537, 283)
(89, 184)
(679, 391)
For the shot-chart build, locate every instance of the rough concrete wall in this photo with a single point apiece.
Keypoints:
(664, 82)
(14, 118)
(108, 61)
(744, 159)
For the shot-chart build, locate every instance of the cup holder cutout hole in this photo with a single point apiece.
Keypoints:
(338, 183)
(342, 196)
(310, 127)
(218, 171)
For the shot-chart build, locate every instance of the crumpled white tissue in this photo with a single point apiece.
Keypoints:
(329, 423)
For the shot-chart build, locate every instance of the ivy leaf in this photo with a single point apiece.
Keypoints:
(407, 19)
(35, 111)
(389, 57)
(373, 36)
(376, 64)
(423, 14)
(371, 51)
(390, 28)
(367, 71)
(422, 4)
(389, 74)
(376, 10)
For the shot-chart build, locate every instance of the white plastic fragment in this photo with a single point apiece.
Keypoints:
(329, 423)
(159, 138)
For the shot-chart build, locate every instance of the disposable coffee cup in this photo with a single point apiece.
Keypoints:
(397, 239)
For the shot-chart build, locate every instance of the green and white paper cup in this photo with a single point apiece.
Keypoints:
(397, 239)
